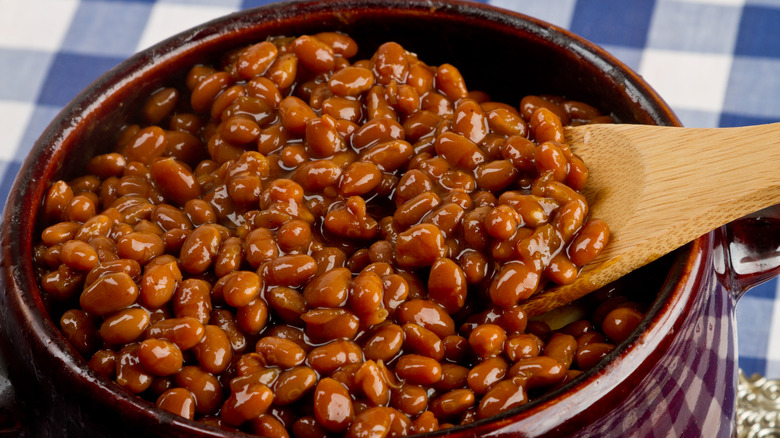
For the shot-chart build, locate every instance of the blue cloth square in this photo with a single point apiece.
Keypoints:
(618, 22)
(753, 339)
(752, 365)
(40, 118)
(246, 4)
(770, 3)
(759, 32)
(119, 1)
(70, 73)
(101, 28)
(754, 85)
(698, 118)
(766, 290)
(23, 73)
(629, 56)
(729, 119)
(8, 171)
(221, 3)
(557, 12)
(696, 27)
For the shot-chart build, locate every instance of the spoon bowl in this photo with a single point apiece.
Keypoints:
(661, 187)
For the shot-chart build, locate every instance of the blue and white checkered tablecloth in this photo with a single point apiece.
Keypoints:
(717, 62)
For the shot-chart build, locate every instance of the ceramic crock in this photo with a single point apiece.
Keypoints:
(674, 377)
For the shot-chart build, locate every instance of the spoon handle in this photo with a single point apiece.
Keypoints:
(659, 188)
(686, 181)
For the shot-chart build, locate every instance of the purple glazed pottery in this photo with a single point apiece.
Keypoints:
(676, 376)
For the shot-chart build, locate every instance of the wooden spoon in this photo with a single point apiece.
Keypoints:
(659, 188)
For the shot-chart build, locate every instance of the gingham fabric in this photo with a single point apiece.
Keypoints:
(716, 62)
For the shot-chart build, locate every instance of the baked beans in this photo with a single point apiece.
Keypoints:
(298, 243)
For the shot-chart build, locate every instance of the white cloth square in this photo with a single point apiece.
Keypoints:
(14, 117)
(557, 12)
(168, 19)
(687, 80)
(39, 24)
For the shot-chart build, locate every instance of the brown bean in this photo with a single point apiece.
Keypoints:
(447, 285)
(418, 370)
(186, 332)
(482, 376)
(522, 346)
(294, 114)
(291, 270)
(469, 121)
(372, 423)
(214, 351)
(329, 357)
(129, 372)
(148, 144)
(589, 242)
(79, 255)
(255, 59)
(57, 197)
(367, 297)
(247, 403)
(328, 324)
(333, 405)
(453, 403)
(281, 352)
(109, 294)
(590, 355)
(125, 326)
(252, 318)
(450, 82)
(59, 233)
(539, 372)
(174, 180)
(294, 384)
(178, 401)
(268, 425)
(351, 81)
(314, 54)
(241, 288)
(389, 156)
(487, 340)
(260, 247)
(459, 151)
(419, 340)
(329, 289)
(546, 126)
(503, 396)
(390, 63)
(141, 247)
(385, 343)
(159, 282)
(373, 383)
(561, 347)
(200, 249)
(204, 387)
(160, 357)
(413, 210)
(620, 323)
(514, 282)
(80, 330)
(420, 245)
(427, 314)
(359, 178)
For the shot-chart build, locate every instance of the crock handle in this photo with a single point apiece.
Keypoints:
(752, 248)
